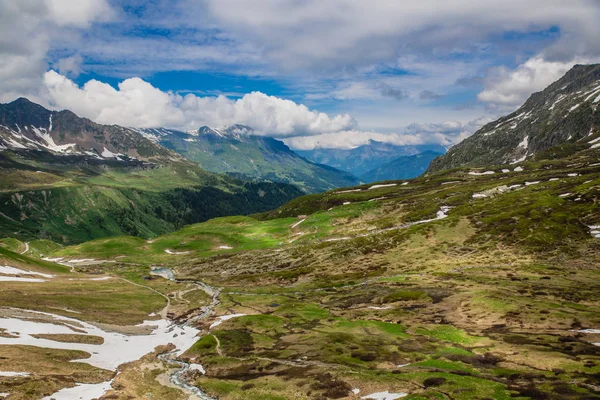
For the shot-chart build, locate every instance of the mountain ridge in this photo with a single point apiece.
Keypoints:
(237, 151)
(564, 112)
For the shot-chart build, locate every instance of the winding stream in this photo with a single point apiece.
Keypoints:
(177, 377)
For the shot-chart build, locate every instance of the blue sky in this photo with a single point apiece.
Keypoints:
(336, 72)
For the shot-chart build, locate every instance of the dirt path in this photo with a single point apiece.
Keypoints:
(26, 248)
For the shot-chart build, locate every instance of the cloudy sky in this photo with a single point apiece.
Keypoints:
(325, 73)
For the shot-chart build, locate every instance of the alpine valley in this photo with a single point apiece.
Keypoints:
(126, 273)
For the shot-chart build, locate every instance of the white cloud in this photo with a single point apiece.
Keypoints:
(70, 66)
(137, 103)
(506, 89)
(445, 134)
(27, 28)
(351, 33)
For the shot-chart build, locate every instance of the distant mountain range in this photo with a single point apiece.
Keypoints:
(239, 152)
(405, 167)
(363, 159)
(564, 113)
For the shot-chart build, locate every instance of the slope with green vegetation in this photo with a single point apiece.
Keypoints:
(70, 198)
(239, 152)
(463, 284)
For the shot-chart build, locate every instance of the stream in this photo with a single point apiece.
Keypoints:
(171, 357)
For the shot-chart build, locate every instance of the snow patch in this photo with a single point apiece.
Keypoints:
(384, 396)
(6, 270)
(524, 143)
(5, 373)
(518, 169)
(481, 173)
(18, 279)
(224, 318)
(298, 223)
(82, 391)
(176, 252)
(197, 367)
(383, 186)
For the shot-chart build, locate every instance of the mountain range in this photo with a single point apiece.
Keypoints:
(405, 167)
(238, 151)
(361, 160)
(69, 179)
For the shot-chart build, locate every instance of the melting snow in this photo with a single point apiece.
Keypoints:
(224, 318)
(573, 174)
(82, 391)
(553, 179)
(346, 203)
(17, 279)
(50, 145)
(4, 373)
(382, 186)
(595, 231)
(519, 160)
(225, 247)
(532, 183)
(574, 107)
(524, 143)
(349, 191)
(116, 349)
(384, 396)
(298, 223)
(481, 173)
(518, 169)
(176, 252)
(565, 195)
(109, 154)
(6, 270)
(197, 367)
(505, 170)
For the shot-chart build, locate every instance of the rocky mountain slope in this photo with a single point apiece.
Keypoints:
(69, 179)
(362, 159)
(237, 151)
(565, 112)
(405, 167)
(28, 126)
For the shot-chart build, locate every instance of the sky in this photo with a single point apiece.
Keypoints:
(314, 73)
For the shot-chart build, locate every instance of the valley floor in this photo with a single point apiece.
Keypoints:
(462, 285)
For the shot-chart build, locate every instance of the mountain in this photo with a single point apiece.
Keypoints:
(405, 167)
(565, 112)
(239, 152)
(28, 126)
(69, 179)
(362, 159)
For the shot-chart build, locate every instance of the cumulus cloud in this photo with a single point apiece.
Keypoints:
(26, 32)
(506, 89)
(70, 66)
(137, 103)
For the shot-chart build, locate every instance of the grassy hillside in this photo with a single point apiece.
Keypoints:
(250, 157)
(69, 199)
